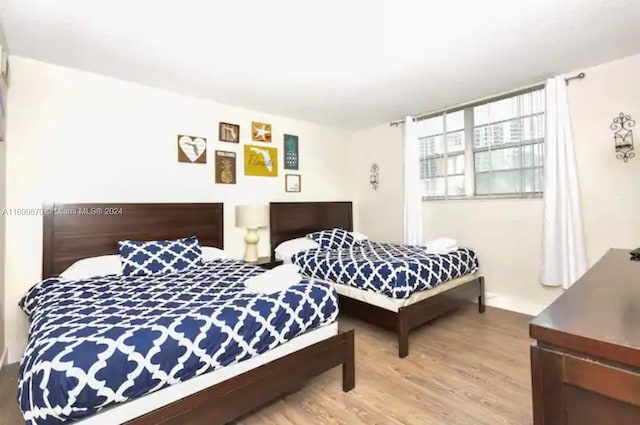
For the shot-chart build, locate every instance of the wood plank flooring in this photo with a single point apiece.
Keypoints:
(463, 369)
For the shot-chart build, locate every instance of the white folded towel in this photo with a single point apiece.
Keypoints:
(441, 246)
(275, 280)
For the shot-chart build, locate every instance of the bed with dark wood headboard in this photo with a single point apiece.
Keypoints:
(290, 220)
(76, 231)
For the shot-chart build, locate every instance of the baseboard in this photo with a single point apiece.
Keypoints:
(506, 302)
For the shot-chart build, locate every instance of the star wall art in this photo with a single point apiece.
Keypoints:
(260, 132)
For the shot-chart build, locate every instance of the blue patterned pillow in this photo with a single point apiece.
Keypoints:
(333, 239)
(140, 258)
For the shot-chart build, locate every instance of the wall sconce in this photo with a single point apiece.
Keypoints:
(623, 136)
(373, 178)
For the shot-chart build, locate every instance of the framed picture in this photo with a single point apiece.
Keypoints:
(290, 152)
(260, 161)
(292, 182)
(229, 132)
(260, 132)
(225, 167)
(192, 149)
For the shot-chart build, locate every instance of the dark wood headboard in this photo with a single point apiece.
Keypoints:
(290, 220)
(76, 231)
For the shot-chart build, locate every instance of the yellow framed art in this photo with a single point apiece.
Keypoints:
(260, 132)
(260, 161)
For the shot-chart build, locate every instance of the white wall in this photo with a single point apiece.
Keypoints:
(610, 188)
(3, 176)
(507, 234)
(80, 137)
(379, 212)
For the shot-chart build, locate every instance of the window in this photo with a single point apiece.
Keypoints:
(493, 148)
(442, 165)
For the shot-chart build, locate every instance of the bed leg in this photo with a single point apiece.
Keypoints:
(481, 300)
(403, 334)
(349, 365)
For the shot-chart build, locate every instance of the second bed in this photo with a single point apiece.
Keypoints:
(398, 287)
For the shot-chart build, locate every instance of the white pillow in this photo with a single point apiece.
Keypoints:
(289, 248)
(93, 266)
(210, 253)
(359, 236)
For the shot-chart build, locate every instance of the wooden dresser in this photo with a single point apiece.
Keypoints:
(585, 360)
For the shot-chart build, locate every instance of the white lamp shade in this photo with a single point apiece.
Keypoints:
(252, 216)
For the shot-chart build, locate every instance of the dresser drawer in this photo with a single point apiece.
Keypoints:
(573, 390)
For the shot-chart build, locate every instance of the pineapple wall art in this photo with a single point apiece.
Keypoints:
(225, 167)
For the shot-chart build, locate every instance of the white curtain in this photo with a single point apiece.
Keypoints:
(565, 258)
(412, 188)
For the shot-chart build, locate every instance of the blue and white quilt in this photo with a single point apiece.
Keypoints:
(396, 271)
(106, 340)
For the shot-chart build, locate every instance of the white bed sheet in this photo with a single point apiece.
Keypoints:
(148, 403)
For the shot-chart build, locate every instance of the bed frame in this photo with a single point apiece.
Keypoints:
(76, 231)
(291, 220)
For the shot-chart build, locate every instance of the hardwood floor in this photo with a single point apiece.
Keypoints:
(463, 369)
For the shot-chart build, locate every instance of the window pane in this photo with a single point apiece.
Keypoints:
(501, 133)
(505, 159)
(430, 146)
(455, 142)
(500, 110)
(455, 121)
(482, 161)
(455, 164)
(432, 167)
(531, 103)
(533, 127)
(507, 109)
(431, 126)
(533, 180)
(532, 155)
(498, 182)
(456, 186)
(508, 138)
(434, 187)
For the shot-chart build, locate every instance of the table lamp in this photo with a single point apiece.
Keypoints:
(252, 217)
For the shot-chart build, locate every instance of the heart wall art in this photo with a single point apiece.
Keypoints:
(192, 149)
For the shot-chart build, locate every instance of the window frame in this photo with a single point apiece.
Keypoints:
(470, 151)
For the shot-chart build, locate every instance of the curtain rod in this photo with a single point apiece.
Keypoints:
(579, 76)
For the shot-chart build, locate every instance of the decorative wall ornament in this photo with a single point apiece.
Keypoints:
(293, 182)
(290, 152)
(192, 149)
(374, 178)
(260, 132)
(260, 161)
(623, 136)
(229, 132)
(225, 167)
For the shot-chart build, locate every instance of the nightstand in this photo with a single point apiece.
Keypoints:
(266, 263)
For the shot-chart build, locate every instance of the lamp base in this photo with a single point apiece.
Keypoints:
(251, 240)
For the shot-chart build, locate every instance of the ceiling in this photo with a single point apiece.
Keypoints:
(349, 63)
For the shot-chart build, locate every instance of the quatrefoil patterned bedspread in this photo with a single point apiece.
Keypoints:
(396, 271)
(106, 340)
